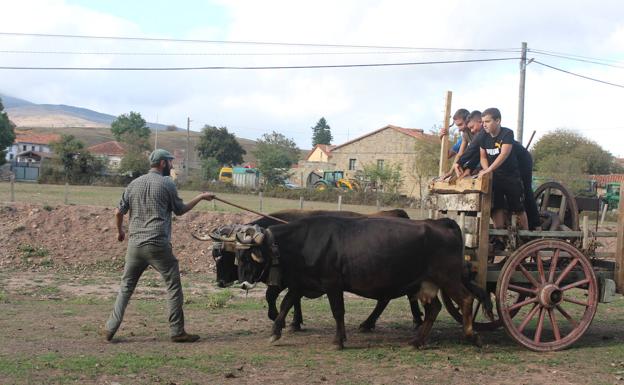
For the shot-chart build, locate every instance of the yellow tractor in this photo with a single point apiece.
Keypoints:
(336, 179)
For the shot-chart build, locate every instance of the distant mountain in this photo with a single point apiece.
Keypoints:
(28, 114)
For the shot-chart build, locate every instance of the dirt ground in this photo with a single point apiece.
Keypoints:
(59, 273)
(68, 236)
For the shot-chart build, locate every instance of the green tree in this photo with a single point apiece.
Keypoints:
(426, 162)
(134, 163)
(321, 133)
(210, 168)
(7, 133)
(275, 154)
(388, 178)
(567, 145)
(132, 124)
(77, 164)
(221, 145)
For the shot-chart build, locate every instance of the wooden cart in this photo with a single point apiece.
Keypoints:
(547, 284)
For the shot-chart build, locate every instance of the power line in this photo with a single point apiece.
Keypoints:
(253, 67)
(577, 59)
(47, 35)
(579, 75)
(571, 55)
(125, 53)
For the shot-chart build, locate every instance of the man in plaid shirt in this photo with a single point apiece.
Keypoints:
(150, 200)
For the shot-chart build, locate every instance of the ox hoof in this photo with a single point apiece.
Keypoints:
(272, 315)
(295, 328)
(274, 338)
(364, 328)
(476, 340)
(418, 343)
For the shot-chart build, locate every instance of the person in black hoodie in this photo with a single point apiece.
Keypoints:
(497, 158)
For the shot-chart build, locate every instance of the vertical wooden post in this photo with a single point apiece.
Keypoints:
(66, 192)
(444, 149)
(604, 212)
(260, 197)
(585, 232)
(214, 205)
(339, 202)
(484, 233)
(301, 202)
(378, 204)
(462, 225)
(12, 187)
(619, 248)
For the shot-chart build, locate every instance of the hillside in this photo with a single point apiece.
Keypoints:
(169, 140)
(27, 114)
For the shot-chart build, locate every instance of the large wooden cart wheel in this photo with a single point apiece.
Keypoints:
(479, 321)
(553, 196)
(561, 295)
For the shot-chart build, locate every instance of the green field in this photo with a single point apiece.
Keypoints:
(109, 197)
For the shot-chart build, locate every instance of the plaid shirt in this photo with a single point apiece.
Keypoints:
(150, 199)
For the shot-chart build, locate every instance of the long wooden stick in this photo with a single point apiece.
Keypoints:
(530, 140)
(444, 148)
(250, 210)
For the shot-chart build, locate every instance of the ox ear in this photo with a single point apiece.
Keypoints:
(256, 255)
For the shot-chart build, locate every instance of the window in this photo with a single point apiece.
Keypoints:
(24, 148)
(32, 148)
(380, 164)
(11, 156)
(351, 164)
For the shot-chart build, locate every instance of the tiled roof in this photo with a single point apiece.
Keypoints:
(108, 148)
(602, 180)
(36, 138)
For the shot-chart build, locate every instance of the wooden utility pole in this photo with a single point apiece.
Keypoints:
(187, 155)
(445, 140)
(523, 64)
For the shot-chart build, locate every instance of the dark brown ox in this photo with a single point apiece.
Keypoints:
(377, 258)
(227, 273)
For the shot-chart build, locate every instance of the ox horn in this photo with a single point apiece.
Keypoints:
(200, 238)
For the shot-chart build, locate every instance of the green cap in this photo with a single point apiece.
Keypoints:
(159, 154)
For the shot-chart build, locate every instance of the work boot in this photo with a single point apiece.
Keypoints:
(185, 337)
(106, 334)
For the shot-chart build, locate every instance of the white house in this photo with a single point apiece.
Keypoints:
(27, 144)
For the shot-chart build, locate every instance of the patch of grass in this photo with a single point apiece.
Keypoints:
(47, 207)
(87, 300)
(29, 251)
(4, 297)
(216, 300)
(48, 290)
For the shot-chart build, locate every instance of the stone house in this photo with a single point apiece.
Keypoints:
(389, 145)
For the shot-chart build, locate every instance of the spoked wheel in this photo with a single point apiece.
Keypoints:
(555, 197)
(561, 295)
(479, 321)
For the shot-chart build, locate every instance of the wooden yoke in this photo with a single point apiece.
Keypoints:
(619, 248)
(444, 149)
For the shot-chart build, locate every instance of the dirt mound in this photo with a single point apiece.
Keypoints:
(85, 237)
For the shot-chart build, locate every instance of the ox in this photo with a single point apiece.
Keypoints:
(377, 258)
(224, 254)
